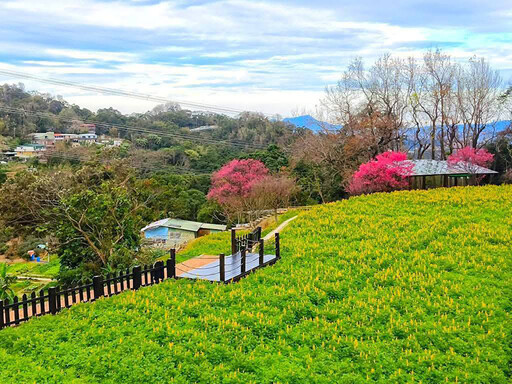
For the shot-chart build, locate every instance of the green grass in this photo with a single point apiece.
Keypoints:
(280, 219)
(389, 288)
(33, 269)
(213, 244)
(49, 270)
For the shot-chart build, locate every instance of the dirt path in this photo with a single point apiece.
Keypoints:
(278, 229)
(35, 278)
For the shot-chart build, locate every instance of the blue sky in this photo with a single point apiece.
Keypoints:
(269, 56)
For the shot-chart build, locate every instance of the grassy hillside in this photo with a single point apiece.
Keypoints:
(402, 287)
(217, 243)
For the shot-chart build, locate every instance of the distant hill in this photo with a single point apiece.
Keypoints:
(502, 125)
(309, 122)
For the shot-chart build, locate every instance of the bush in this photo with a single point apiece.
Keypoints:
(3, 176)
(148, 256)
(387, 172)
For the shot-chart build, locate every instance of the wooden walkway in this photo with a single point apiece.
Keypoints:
(208, 268)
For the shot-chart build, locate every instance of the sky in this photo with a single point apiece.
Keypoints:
(268, 56)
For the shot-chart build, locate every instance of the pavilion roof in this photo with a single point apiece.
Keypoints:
(441, 167)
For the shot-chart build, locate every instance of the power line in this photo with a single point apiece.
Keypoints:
(141, 130)
(79, 158)
(67, 156)
(117, 92)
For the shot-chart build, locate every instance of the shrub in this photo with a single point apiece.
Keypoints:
(387, 172)
(148, 256)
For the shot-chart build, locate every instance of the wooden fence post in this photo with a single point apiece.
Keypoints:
(222, 267)
(137, 277)
(262, 251)
(233, 241)
(243, 254)
(158, 272)
(1, 314)
(16, 309)
(7, 312)
(97, 285)
(278, 247)
(154, 274)
(171, 265)
(52, 300)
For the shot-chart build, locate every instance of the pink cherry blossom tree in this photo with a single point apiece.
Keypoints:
(232, 184)
(470, 159)
(386, 172)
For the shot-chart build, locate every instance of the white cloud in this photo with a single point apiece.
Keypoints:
(91, 55)
(238, 53)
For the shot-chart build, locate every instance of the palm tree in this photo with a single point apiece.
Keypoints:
(5, 281)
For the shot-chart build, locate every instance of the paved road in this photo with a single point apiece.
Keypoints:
(278, 229)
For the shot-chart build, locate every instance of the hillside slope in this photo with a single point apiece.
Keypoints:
(403, 287)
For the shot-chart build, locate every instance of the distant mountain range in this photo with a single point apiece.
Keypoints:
(309, 122)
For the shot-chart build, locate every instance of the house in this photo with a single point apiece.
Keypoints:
(438, 173)
(90, 128)
(87, 138)
(176, 232)
(43, 138)
(28, 151)
(65, 137)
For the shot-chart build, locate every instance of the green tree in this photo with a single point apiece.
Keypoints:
(273, 157)
(97, 229)
(6, 291)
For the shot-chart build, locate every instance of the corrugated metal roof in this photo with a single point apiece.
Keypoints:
(439, 167)
(216, 227)
(186, 225)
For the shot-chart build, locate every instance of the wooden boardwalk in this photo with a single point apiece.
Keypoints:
(209, 268)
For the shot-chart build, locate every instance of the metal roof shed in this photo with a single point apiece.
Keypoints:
(449, 174)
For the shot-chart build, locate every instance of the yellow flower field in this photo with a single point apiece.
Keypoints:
(403, 287)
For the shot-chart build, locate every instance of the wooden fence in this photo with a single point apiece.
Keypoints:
(246, 241)
(57, 298)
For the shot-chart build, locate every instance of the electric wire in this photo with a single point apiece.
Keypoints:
(170, 168)
(142, 130)
(117, 92)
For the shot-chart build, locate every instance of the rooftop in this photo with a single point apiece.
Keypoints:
(440, 167)
(34, 146)
(186, 225)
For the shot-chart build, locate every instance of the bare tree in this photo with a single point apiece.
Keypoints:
(478, 90)
(373, 103)
(273, 192)
(397, 101)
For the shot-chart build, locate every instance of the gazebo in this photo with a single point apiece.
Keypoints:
(438, 173)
